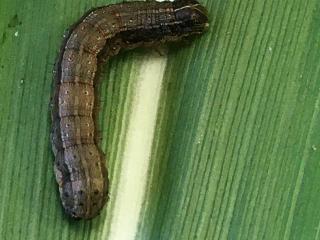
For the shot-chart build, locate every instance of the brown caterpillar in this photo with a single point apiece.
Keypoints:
(79, 163)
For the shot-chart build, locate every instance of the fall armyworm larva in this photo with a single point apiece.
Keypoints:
(79, 163)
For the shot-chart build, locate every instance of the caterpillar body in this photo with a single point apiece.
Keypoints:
(79, 163)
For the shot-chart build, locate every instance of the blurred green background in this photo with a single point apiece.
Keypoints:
(237, 147)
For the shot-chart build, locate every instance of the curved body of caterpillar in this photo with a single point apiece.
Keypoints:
(79, 164)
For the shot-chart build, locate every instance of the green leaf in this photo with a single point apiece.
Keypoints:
(216, 139)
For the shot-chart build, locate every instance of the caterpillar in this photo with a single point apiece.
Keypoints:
(101, 33)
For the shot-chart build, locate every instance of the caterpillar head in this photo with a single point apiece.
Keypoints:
(191, 17)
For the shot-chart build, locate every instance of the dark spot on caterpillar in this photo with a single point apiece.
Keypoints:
(98, 35)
